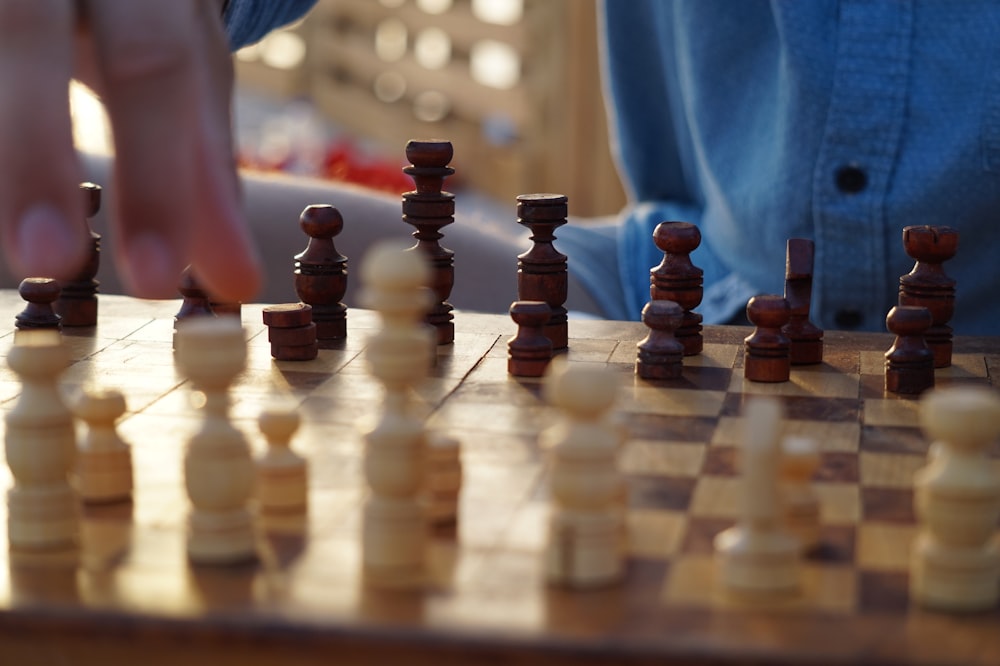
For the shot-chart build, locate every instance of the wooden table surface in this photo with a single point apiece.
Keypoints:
(133, 598)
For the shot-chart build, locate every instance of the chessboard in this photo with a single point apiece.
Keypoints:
(133, 597)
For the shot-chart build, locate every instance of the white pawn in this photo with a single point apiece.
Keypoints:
(758, 555)
(104, 461)
(955, 563)
(43, 512)
(218, 468)
(282, 474)
(799, 461)
(394, 522)
(586, 533)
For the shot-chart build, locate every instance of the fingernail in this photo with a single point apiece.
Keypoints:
(47, 244)
(153, 267)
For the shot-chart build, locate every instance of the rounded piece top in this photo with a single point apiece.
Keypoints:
(434, 153)
(769, 311)
(39, 290)
(676, 237)
(908, 320)
(966, 418)
(662, 315)
(321, 221)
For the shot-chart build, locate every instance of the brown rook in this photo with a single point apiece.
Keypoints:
(321, 273)
(660, 355)
(77, 303)
(909, 363)
(429, 208)
(677, 279)
(541, 271)
(928, 286)
(805, 337)
(767, 351)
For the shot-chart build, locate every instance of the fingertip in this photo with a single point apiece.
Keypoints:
(152, 266)
(47, 244)
(234, 279)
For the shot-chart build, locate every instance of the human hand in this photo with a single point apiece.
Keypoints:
(164, 72)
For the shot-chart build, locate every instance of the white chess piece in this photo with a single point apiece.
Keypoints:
(394, 521)
(955, 564)
(104, 461)
(218, 468)
(586, 535)
(282, 474)
(758, 555)
(43, 512)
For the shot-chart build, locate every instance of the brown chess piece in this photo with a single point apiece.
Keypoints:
(40, 293)
(195, 300)
(767, 355)
(660, 355)
(529, 352)
(291, 331)
(909, 363)
(927, 285)
(77, 302)
(805, 337)
(541, 271)
(677, 279)
(321, 273)
(429, 208)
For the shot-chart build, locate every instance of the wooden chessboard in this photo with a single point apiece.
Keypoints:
(135, 599)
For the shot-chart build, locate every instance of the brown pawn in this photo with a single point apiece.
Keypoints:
(40, 293)
(660, 354)
(541, 271)
(77, 304)
(909, 363)
(291, 332)
(928, 286)
(529, 352)
(429, 208)
(767, 353)
(806, 338)
(677, 279)
(321, 273)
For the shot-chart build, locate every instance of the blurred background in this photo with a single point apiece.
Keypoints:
(514, 84)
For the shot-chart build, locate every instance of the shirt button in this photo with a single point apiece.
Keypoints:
(848, 319)
(850, 179)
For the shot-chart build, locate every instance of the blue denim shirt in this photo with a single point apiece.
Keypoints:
(247, 21)
(841, 122)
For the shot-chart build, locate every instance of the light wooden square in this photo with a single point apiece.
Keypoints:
(884, 546)
(661, 458)
(889, 470)
(655, 534)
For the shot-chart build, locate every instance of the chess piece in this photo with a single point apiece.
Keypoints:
(43, 514)
(428, 208)
(541, 271)
(291, 332)
(529, 352)
(321, 273)
(909, 363)
(218, 469)
(677, 279)
(758, 556)
(799, 461)
(805, 338)
(77, 302)
(927, 285)
(955, 564)
(282, 474)
(194, 301)
(585, 545)
(444, 479)
(394, 520)
(767, 356)
(40, 294)
(104, 461)
(660, 354)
